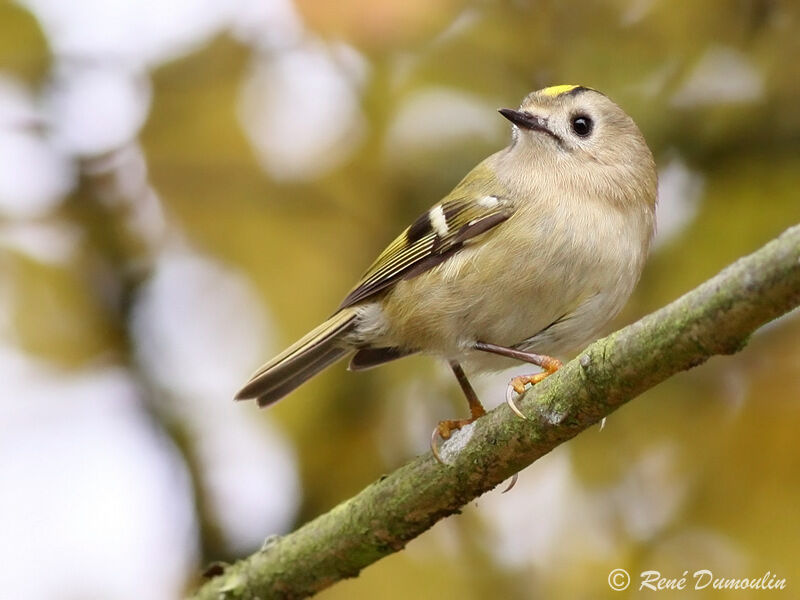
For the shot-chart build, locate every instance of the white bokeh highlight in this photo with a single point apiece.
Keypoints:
(680, 190)
(198, 328)
(34, 176)
(722, 75)
(651, 492)
(269, 25)
(129, 32)
(301, 127)
(96, 109)
(198, 325)
(437, 117)
(53, 242)
(551, 518)
(95, 503)
(548, 518)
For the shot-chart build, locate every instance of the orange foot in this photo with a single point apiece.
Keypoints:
(517, 384)
(446, 428)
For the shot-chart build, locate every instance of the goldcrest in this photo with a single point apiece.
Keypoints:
(531, 254)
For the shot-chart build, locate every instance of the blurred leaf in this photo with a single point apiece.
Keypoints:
(23, 48)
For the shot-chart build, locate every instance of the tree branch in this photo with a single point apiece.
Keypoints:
(716, 318)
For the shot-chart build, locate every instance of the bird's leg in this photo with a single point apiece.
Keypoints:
(517, 384)
(445, 428)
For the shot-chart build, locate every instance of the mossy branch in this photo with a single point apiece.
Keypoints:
(716, 318)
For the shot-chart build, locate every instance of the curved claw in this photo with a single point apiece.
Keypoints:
(512, 483)
(510, 391)
(435, 446)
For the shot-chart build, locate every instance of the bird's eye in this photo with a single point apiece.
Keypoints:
(582, 125)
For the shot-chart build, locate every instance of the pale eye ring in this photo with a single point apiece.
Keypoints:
(582, 125)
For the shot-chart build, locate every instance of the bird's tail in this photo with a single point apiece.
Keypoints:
(301, 361)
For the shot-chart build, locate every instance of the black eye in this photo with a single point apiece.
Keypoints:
(582, 125)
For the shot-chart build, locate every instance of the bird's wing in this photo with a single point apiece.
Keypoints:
(469, 211)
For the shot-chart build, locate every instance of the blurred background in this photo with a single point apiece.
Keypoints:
(187, 186)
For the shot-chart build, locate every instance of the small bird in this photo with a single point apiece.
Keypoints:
(529, 256)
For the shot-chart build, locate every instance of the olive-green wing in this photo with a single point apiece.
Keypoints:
(434, 237)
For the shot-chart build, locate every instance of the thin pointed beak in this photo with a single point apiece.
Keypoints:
(525, 120)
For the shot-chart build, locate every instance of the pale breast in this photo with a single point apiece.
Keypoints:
(540, 282)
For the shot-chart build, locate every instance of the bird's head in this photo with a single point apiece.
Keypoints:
(582, 135)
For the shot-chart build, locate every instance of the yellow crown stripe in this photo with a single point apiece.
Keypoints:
(557, 90)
